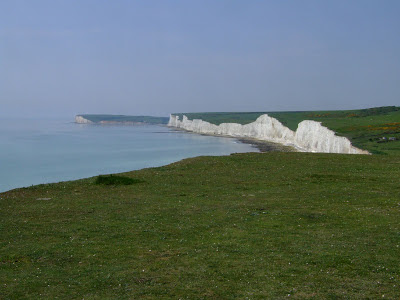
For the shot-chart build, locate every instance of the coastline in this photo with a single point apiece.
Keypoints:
(120, 152)
(265, 146)
(262, 145)
(258, 145)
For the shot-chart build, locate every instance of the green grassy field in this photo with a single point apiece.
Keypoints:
(123, 118)
(244, 226)
(365, 128)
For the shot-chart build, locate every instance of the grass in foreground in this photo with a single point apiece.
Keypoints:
(253, 225)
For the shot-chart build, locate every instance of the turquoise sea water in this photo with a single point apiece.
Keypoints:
(43, 151)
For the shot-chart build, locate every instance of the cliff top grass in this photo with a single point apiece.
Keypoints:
(366, 128)
(255, 225)
(123, 118)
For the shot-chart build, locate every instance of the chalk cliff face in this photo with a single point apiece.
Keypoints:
(82, 120)
(313, 137)
(310, 136)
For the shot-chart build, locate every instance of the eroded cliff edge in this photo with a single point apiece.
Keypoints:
(81, 120)
(310, 136)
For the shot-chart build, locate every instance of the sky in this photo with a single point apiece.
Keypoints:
(68, 57)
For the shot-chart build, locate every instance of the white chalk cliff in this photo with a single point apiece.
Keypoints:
(82, 120)
(310, 136)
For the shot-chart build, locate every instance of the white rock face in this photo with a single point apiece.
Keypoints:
(310, 136)
(82, 120)
(313, 137)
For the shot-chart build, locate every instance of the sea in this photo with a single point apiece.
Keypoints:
(34, 151)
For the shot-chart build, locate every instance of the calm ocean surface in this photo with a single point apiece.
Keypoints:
(43, 151)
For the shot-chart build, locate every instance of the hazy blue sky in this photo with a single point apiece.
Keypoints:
(157, 57)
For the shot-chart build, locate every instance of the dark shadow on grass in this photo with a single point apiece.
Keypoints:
(116, 180)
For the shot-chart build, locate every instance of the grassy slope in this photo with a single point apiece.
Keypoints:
(122, 118)
(247, 225)
(362, 127)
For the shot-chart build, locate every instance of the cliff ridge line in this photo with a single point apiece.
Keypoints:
(310, 136)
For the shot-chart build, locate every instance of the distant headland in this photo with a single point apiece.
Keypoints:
(119, 119)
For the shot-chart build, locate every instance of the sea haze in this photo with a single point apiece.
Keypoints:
(43, 151)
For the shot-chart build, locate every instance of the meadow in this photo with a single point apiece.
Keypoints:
(244, 226)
